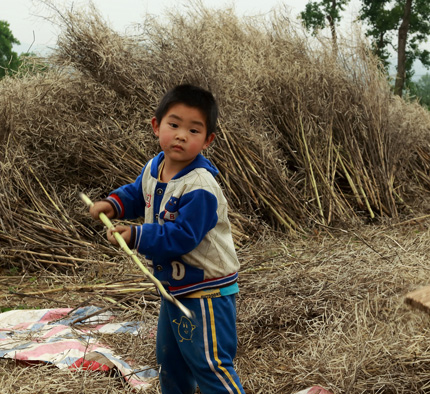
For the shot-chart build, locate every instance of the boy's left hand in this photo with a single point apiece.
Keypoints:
(124, 231)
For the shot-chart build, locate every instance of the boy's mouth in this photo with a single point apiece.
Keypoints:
(178, 147)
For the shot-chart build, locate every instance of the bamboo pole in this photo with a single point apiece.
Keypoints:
(106, 221)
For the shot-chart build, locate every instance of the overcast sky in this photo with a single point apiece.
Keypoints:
(28, 23)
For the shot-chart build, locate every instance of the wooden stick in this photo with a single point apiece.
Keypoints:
(106, 221)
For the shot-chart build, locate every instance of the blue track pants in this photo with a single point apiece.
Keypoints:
(198, 351)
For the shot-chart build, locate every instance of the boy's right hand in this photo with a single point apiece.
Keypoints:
(102, 206)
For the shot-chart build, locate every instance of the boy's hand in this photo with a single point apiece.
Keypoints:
(124, 231)
(102, 206)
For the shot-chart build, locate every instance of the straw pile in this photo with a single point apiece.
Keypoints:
(306, 143)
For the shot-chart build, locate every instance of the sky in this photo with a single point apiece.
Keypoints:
(28, 19)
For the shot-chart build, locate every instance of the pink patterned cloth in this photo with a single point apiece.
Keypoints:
(46, 335)
(314, 390)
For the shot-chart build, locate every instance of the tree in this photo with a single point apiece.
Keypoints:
(409, 20)
(318, 13)
(9, 60)
(401, 52)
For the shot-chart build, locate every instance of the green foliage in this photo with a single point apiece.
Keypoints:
(384, 18)
(313, 18)
(383, 23)
(9, 60)
(421, 90)
(318, 13)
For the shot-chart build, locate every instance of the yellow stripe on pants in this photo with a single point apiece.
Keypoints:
(215, 347)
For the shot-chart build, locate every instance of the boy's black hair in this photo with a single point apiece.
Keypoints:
(193, 96)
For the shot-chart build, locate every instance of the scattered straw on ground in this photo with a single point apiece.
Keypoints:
(325, 310)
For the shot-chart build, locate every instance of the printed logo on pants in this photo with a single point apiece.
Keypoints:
(185, 328)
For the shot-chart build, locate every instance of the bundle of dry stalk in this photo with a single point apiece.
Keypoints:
(305, 137)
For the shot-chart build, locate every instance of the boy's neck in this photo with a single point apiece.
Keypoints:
(170, 169)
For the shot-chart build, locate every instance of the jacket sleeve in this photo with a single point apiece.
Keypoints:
(128, 200)
(197, 215)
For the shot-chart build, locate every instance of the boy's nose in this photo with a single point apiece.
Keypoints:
(180, 135)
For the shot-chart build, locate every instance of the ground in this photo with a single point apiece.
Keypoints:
(327, 309)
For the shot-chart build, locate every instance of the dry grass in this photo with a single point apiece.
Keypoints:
(332, 313)
(311, 149)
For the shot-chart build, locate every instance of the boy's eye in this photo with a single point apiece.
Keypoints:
(194, 131)
(174, 125)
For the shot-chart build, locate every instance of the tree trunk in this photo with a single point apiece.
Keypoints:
(401, 54)
(332, 25)
(380, 44)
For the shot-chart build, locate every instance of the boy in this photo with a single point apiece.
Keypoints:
(187, 240)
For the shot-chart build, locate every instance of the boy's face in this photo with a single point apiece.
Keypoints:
(182, 134)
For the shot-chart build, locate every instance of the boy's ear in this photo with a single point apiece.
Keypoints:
(209, 140)
(155, 126)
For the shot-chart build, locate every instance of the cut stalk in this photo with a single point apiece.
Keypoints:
(349, 179)
(106, 221)
(311, 172)
(369, 208)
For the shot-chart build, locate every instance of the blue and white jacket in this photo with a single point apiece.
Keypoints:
(186, 235)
